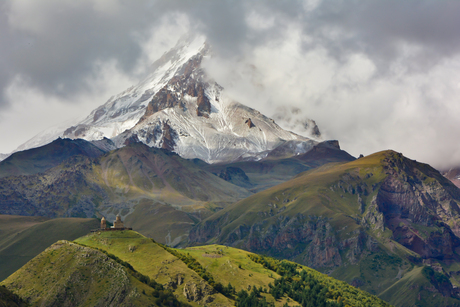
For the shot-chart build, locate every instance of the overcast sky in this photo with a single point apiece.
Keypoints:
(373, 74)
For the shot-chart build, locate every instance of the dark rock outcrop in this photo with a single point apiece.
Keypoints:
(169, 137)
(191, 83)
(249, 123)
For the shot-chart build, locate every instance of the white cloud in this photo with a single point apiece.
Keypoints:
(351, 100)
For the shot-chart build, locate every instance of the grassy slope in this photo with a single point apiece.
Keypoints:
(156, 173)
(151, 260)
(233, 265)
(303, 194)
(11, 225)
(68, 274)
(403, 292)
(224, 263)
(34, 237)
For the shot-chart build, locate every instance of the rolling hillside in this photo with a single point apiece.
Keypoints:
(124, 268)
(373, 222)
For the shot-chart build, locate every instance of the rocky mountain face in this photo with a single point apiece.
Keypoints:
(370, 222)
(179, 108)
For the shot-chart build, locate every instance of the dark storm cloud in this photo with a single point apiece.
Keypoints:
(54, 45)
(382, 28)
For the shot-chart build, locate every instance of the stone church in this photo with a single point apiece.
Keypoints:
(117, 224)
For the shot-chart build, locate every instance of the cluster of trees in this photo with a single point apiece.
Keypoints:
(167, 298)
(283, 268)
(437, 279)
(310, 288)
(306, 290)
(253, 299)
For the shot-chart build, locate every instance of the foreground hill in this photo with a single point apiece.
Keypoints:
(124, 268)
(374, 222)
(67, 274)
(23, 237)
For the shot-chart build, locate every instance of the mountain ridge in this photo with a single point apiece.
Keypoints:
(343, 218)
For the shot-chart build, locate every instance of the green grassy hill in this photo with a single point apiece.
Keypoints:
(23, 238)
(67, 274)
(372, 222)
(132, 270)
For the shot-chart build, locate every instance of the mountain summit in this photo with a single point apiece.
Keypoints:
(179, 108)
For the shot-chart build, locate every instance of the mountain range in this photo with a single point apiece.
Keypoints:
(184, 164)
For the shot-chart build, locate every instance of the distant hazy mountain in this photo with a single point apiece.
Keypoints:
(179, 108)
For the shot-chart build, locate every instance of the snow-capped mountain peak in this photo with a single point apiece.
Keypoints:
(178, 107)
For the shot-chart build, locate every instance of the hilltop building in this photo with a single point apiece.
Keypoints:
(117, 225)
(103, 223)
